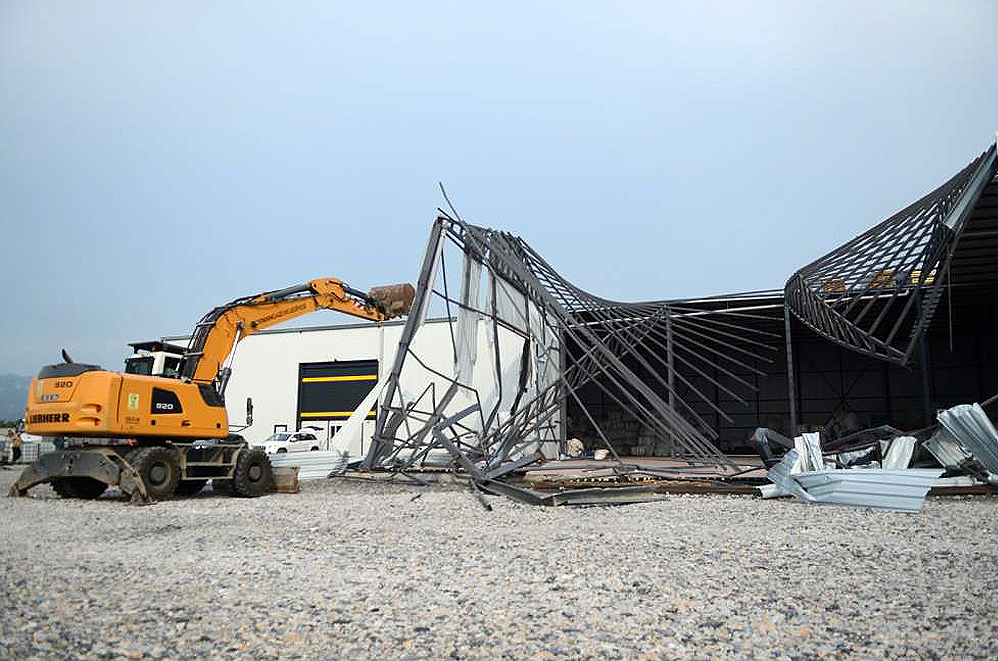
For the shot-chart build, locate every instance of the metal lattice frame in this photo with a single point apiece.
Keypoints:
(640, 355)
(877, 293)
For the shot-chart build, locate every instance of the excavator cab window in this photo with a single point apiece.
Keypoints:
(141, 365)
(171, 367)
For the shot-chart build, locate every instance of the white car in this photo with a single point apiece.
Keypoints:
(299, 441)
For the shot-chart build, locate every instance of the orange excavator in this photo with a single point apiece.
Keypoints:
(156, 436)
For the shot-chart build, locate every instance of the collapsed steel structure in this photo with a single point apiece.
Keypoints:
(662, 364)
(546, 339)
(877, 293)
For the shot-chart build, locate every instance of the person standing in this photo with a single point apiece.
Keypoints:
(15, 445)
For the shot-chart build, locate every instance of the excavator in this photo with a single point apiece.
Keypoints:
(157, 435)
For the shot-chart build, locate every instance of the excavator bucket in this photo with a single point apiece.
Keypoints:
(396, 299)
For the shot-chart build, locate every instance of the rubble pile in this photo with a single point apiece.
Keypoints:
(884, 468)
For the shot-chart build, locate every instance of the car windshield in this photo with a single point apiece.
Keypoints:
(277, 437)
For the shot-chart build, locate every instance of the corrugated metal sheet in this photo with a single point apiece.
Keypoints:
(971, 427)
(322, 464)
(895, 490)
(311, 465)
(809, 457)
(945, 449)
(899, 453)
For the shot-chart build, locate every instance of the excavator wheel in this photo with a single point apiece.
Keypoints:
(78, 487)
(159, 469)
(253, 475)
(190, 487)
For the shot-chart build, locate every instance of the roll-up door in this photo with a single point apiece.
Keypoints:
(332, 391)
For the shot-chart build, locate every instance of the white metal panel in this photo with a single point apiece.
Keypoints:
(311, 465)
(899, 453)
(896, 490)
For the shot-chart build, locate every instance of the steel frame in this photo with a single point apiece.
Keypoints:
(877, 293)
(640, 355)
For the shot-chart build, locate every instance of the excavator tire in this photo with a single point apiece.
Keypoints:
(79, 487)
(190, 487)
(253, 475)
(159, 469)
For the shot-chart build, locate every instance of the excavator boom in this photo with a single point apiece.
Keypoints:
(219, 330)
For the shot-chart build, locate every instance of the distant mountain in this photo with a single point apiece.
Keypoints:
(13, 393)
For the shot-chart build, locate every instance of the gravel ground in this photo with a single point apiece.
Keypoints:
(360, 570)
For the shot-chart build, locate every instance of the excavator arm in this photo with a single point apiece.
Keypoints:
(219, 330)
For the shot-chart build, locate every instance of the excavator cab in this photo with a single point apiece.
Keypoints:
(155, 359)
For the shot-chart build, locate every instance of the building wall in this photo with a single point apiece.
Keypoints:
(831, 381)
(265, 368)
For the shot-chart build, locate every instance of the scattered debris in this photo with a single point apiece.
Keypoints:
(286, 479)
(878, 488)
(876, 472)
(972, 429)
(574, 447)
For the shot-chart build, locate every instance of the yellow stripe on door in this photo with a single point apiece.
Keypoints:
(358, 377)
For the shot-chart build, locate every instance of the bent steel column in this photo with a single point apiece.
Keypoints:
(791, 391)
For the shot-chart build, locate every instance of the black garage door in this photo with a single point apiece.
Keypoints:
(332, 391)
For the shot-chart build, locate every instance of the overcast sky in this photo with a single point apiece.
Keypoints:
(160, 158)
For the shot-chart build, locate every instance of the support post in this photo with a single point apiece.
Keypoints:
(670, 375)
(791, 391)
(416, 317)
(925, 368)
(563, 407)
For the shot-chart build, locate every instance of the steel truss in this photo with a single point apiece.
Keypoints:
(877, 293)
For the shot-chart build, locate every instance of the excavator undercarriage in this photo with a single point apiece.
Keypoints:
(85, 469)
